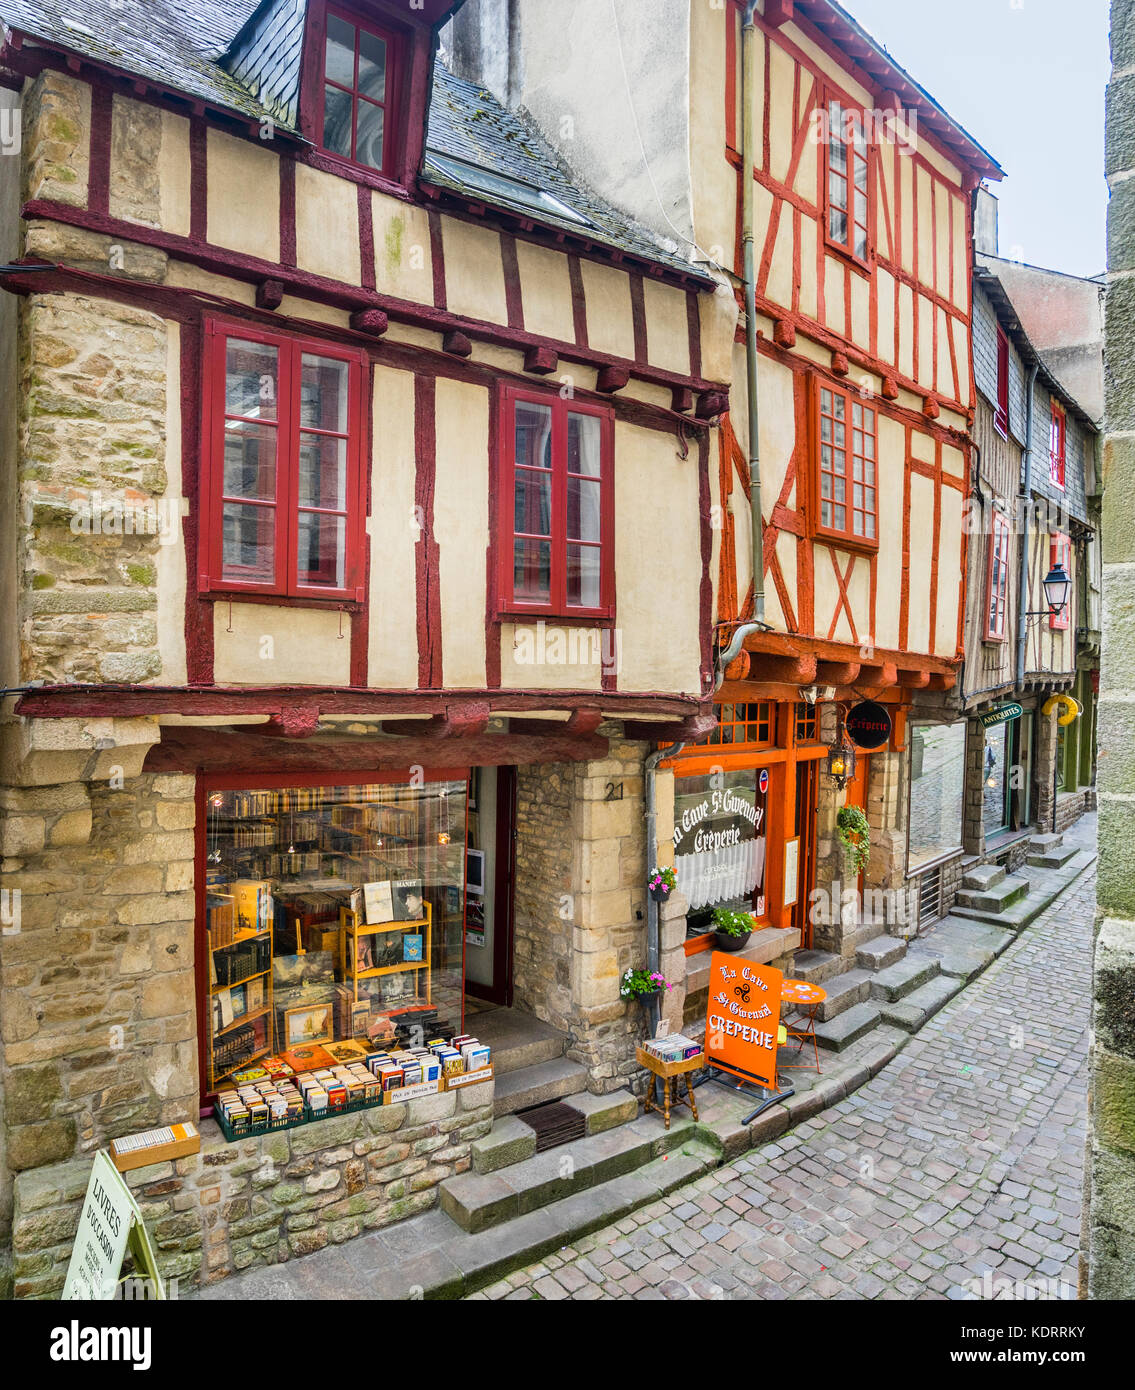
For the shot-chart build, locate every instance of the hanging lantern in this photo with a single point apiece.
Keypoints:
(1056, 586)
(840, 764)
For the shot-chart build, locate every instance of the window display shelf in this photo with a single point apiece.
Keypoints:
(378, 970)
(244, 1019)
(260, 974)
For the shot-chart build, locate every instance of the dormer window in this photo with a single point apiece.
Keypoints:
(359, 92)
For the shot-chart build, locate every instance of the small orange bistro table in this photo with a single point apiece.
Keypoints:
(807, 998)
(671, 1074)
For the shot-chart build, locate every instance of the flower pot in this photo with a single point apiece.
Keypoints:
(725, 942)
(661, 893)
(645, 997)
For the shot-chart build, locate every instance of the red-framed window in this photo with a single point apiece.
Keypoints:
(1060, 553)
(847, 179)
(848, 493)
(1056, 444)
(556, 534)
(282, 486)
(997, 580)
(361, 71)
(1001, 414)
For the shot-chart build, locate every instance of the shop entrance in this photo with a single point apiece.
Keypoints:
(490, 873)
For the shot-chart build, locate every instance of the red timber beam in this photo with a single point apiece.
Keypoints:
(882, 669)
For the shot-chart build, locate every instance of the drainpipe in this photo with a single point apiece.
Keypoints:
(1026, 493)
(748, 42)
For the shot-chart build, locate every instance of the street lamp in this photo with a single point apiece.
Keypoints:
(1056, 587)
(840, 765)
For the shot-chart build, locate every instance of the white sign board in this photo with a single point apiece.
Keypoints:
(109, 1214)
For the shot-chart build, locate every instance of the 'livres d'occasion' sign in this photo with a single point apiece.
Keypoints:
(743, 1019)
(110, 1222)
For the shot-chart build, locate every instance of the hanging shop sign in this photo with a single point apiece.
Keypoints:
(1001, 715)
(743, 1018)
(719, 841)
(869, 724)
(109, 1225)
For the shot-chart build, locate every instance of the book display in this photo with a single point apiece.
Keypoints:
(333, 917)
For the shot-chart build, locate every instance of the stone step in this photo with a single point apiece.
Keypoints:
(517, 1039)
(996, 899)
(848, 1027)
(509, 1141)
(478, 1201)
(602, 1113)
(898, 980)
(960, 946)
(859, 935)
(815, 966)
(1045, 844)
(982, 877)
(913, 1011)
(1050, 859)
(553, 1080)
(844, 992)
(880, 953)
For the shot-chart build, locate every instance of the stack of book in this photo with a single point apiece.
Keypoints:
(675, 1048)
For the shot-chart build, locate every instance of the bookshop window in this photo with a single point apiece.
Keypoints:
(333, 921)
(719, 843)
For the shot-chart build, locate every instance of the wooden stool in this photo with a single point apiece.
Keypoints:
(671, 1074)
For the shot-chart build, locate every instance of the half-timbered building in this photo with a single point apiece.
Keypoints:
(357, 468)
(780, 143)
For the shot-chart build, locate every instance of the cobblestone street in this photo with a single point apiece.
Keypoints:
(955, 1173)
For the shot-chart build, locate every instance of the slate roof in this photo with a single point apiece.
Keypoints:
(243, 57)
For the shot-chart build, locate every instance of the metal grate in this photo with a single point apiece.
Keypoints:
(554, 1123)
(930, 907)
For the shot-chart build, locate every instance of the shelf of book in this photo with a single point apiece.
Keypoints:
(240, 933)
(244, 1020)
(236, 984)
(353, 928)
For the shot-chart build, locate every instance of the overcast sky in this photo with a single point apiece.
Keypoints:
(1026, 78)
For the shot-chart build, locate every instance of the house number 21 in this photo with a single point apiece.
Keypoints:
(614, 791)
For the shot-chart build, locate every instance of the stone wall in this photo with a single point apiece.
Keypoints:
(264, 1200)
(580, 917)
(1111, 1179)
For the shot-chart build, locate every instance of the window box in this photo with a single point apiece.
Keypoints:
(555, 522)
(282, 479)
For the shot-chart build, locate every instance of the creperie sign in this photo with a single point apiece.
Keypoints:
(725, 802)
(743, 1017)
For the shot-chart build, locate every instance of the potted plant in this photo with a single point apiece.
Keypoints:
(661, 883)
(854, 832)
(643, 985)
(731, 930)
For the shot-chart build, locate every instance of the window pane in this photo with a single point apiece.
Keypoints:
(583, 576)
(826, 402)
(840, 488)
(322, 549)
(584, 444)
(533, 511)
(825, 513)
(825, 485)
(323, 472)
(861, 243)
(839, 518)
(937, 795)
(532, 571)
(871, 525)
(825, 427)
(250, 461)
(840, 406)
(837, 226)
(324, 393)
(861, 177)
(340, 51)
(583, 523)
(838, 159)
(372, 66)
(251, 379)
(369, 144)
(533, 435)
(249, 543)
(337, 107)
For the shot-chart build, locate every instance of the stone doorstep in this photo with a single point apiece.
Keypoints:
(845, 991)
(1051, 859)
(509, 1141)
(816, 966)
(960, 946)
(860, 935)
(477, 1201)
(552, 1080)
(518, 1039)
(898, 980)
(848, 1027)
(996, 899)
(921, 1004)
(983, 877)
(602, 1113)
(1047, 885)
(880, 953)
(1045, 844)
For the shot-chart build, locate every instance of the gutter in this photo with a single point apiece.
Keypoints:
(1023, 563)
(748, 40)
